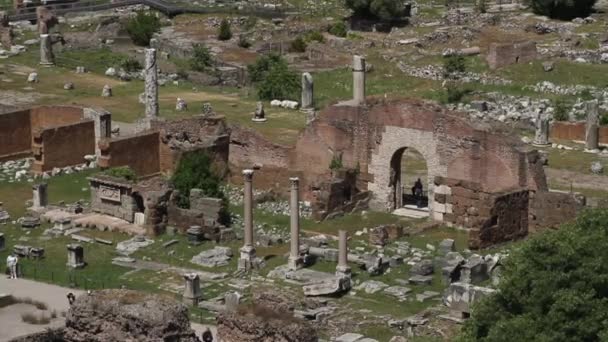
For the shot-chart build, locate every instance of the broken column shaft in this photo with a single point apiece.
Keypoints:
(295, 261)
(343, 269)
(359, 79)
(248, 250)
(151, 85)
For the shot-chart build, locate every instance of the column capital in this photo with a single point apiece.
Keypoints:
(294, 181)
(248, 174)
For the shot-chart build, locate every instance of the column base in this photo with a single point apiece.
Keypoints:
(47, 63)
(80, 265)
(247, 261)
(192, 300)
(343, 271)
(595, 150)
(294, 264)
(541, 144)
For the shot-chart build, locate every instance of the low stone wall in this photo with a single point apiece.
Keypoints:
(501, 55)
(15, 135)
(62, 146)
(552, 209)
(575, 131)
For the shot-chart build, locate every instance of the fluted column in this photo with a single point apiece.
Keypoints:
(151, 84)
(359, 79)
(248, 250)
(295, 261)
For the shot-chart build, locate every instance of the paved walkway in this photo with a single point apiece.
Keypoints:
(54, 296)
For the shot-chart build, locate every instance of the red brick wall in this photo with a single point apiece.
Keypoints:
(551, 209)
(575, 131)
(63, 145)
(500, 55)
(140, 152)
(50, 116)
(15, 134)
(248, 147)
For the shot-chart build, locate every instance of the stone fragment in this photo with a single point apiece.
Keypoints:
(349, 337)
(68, 86)
(597, 167)
(111, 72)
(81, 70)
(216, 257)
(548, 66)
(132, 245)
(307, 91)
(420, 280)
(371, 286)
(259, 115)
(75, 256)
(421, 297)
(475, 270)
(32, 77)
(446, 246)
(423, 268)
(459, 297)
(397, 291)
(106, 91)
(327, 287)
(181, 105)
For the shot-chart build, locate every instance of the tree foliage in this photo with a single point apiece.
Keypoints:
(454, 64)
(298, 45)
(273, 79)
(224, 32)
(339, 29)
(195, 172)
(562, 9)
(141, 28)
(377, 9)
(201, 58)
(554, 288)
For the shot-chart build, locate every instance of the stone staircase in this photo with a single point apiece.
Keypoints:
(412, 211)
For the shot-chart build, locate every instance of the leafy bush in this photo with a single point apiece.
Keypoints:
(271, 76)
(454, 94)
(130, 64)
(244, 42)
(195, 172)
(141, 28)
(562, 9)
(454, 64)
(604, 119)
(201, 58)
(122, 172)
(298, 45)
(561, 110)
(336, 162)
(481, 6)
(224, 32)
(339, 29)
(315, 36)
(586, 95)
(378, 9)
(553, 288)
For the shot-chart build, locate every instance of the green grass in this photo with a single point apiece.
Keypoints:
(565, 73)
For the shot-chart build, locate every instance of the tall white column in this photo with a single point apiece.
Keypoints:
(295, 261)
(359, 79)
(151, 85)
(248, 250)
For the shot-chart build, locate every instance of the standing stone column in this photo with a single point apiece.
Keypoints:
(103, 125)
(151, 86)
(343, 270)
(307, 91)
(192, 290)
(46, 50)
(40, 195)
(359, 79)
(75, 256)
(592, 127)
(248, 250)
(541, 136)
(295, 262)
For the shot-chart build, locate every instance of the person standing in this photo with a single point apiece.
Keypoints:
(11, 263)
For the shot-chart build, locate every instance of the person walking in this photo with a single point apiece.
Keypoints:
(11, 263)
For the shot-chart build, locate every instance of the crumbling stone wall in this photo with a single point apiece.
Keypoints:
(62, 146)
(249, 148)
(575, 131)
(140, 152)
(15, 135)
(501, 55)
(204, 211)
(552, 209)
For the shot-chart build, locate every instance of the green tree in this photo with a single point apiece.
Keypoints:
(195, 171)
(339, 29)
(141, 28)
(561, 110)
(554, 287)
(377, 9)
(454, 64)
(273, 79)
(562, 9)
(224, 32)
(201, 59)
(298, 45)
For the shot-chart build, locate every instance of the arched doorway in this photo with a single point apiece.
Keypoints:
(409, 181)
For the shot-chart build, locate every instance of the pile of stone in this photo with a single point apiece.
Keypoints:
(434, 72)
(15, 170)
(267, 200)
(216, 257)
(128, 247)
(163, 78)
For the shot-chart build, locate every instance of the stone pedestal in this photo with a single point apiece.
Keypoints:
(40, 195)
(343, 269)
(295, 261)
(246, 260)
(592, 127)
(192, 290)
(307, 91)
(259, 115)
(106, 91)
(541, 136)
(46, 50)
(359, 79)
(195, 235)
(151, 84)
(75, 256)
(63, 224)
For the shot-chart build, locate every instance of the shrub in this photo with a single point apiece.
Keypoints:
(552, 288)
(562, 9)
(244, 42)
(142, 27)
(298, 45)
(561, 110)
(122, 172)
(195, 172)
(130, 64)
(339, 29)
(201, 58)
(273, 79)
(454, 64)
(454, 94)
(315, 36)
(481, 6)
(586, 95)
(224, 32)
(378, 9)
(604, 119)
(336, 162)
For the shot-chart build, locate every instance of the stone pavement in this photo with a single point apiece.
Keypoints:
(54, 296)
